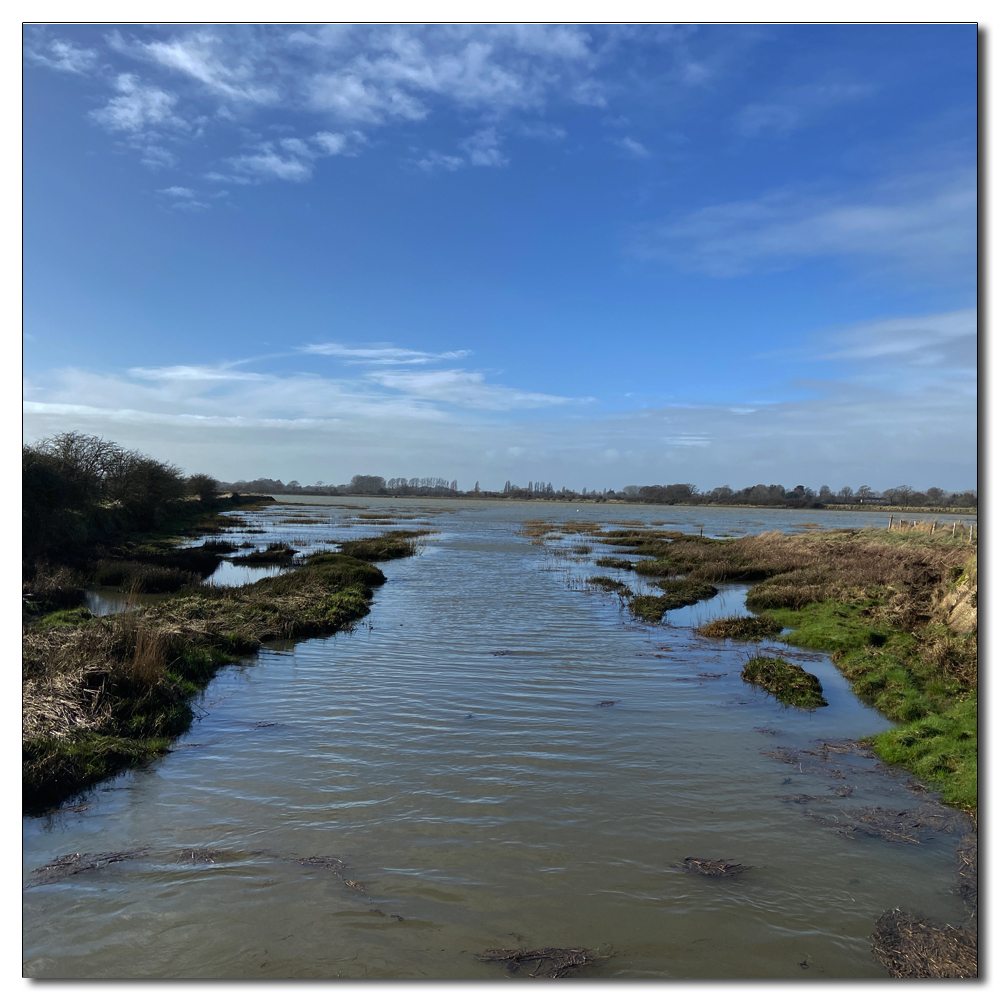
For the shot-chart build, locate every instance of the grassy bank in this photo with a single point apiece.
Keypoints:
(104, 694)
(897, 611)
(146, 561)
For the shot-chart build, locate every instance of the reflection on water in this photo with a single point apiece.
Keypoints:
(467, 800)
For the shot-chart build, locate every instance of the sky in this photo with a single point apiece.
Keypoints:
(589, 255)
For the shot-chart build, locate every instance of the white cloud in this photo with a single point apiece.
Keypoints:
(433, 160)
(380, 354)
(269, 165)
(195, 373)
(138, 106)
(922, 224)
(206, 57)
(368, 75)
(919, 339)
(483, 148)
(61, 55)
(465, 388)
(632, 147)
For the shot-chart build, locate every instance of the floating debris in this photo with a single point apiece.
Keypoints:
(968, 872)
(549, 963)
(607, 704)
(723, 868)
(842, 790)
(912, 948)
(895, 826)
(802, 799)
(67, 865)
(199, 856)
(322, 861)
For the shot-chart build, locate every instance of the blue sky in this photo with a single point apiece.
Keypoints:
(592, 255)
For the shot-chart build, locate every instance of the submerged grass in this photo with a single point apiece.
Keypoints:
(609, 583)
(103, 694)
(788, 682)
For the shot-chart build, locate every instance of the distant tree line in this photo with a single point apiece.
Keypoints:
(760, 495)
(77, 489)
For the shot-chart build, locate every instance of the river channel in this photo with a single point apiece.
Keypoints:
(496, 757)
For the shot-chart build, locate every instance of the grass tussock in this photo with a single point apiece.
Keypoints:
(276, 554)
(788, 682)
(678, 594)
(379, 548)
(102, 694)
(611, 562)
(745, 628)
(610, 584)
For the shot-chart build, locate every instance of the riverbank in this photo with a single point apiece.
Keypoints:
(104, 694)
(896, 611)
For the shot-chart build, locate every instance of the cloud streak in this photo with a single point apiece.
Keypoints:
(923, 225)
(381, 354)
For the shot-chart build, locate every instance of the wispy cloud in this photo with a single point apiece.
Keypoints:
(923, 224)
(195, 373)
(57, 54)
(138, 106)
(483, 149)
(464, 388)
(204, 80)
(632, 146)
(381, 354)
(797, 107)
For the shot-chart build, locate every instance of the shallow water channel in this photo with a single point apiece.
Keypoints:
(457, 755)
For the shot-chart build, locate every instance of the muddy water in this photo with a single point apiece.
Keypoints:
(456, 756)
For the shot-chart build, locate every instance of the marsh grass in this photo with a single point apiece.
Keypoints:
(276, 554)
(896, 610)
(746, 628)
(379, 548)
(610, 584)
(678, 594)
(611, 562)
(788, 682)
(102, 694)
(143, 577)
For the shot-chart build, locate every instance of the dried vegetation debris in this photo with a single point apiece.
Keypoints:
(540, 963)
(68, 865)
(914, 948)
(721, 868)
(895, 826)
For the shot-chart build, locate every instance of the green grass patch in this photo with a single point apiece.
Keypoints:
(942, 749)
(788, 682)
